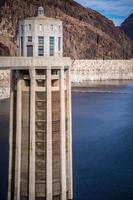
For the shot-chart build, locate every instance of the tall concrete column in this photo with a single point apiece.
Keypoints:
(18, 139)
(10, 136)
(32, 137)
(34, 42)
(62, 136)
(69, 125)
(49, 192)
(24, 41)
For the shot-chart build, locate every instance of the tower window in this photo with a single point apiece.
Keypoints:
(52, 41)
(29, 50)
(29, 38)
(29, 27)
(59, 28)
(59, 43)
(52, 27)
(40, 27)
(40, 46)
(21, 46)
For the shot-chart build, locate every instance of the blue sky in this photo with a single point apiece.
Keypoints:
(116, 10)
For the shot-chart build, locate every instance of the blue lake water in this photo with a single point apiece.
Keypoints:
(102, 143)
(4, 121)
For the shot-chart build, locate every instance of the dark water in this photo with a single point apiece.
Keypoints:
(4, 124)
(102, 144)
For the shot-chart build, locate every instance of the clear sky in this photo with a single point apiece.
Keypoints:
(116, 10)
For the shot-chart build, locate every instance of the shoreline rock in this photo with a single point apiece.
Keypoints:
(4, 93)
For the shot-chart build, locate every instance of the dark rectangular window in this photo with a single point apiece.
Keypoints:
(52, 43)
(29, 38)
(59, 43)
(29, 27)
(40, 46)
(29, 50)
(40, 40)
(59, 29)
(21, 46)
(52, 27)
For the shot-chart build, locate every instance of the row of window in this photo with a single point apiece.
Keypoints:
(51, 45)
(40, 27)
(41, 41)
(41, 46)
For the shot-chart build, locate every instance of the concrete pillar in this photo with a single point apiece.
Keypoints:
(34, 41)
(24, 41)
(62, 136)
(18, 139)
(49, 139)
(32, 137)
(69, 125)
(10, 136)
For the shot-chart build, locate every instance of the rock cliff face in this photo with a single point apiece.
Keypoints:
(101, 70)
(127, 26)
(87, 34)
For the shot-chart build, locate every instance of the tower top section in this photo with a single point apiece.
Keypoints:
(40, 12)
(40, 36)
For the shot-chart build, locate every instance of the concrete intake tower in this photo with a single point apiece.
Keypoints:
(40, 137)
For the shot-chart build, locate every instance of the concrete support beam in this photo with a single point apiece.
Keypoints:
(49, 192)
(10, 136)
(18, 139)
(62, 136)
(32, 137)
(69, 125)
